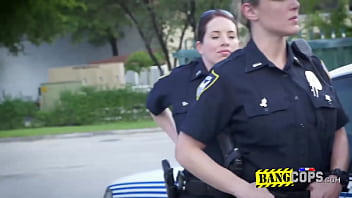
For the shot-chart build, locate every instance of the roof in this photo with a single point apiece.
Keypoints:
(114, 59)
(347, 69)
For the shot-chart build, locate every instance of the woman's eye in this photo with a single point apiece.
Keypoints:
(214, 37)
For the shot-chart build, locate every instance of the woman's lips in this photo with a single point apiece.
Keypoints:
(224, 52)
(294, 19)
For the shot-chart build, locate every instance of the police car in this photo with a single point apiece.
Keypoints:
(151, 184)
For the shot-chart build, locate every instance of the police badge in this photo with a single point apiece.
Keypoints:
(314, 83)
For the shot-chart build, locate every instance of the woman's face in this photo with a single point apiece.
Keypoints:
(220, 39)
(278, 16)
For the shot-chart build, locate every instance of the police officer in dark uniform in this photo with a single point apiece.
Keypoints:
(176, 90)
(217, 39)
(281, 108)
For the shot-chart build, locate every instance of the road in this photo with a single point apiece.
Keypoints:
(77, 166)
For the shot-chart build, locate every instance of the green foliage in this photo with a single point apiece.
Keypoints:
(149, 123)
(36, 21)
(90, 106)
(13, 112)
(93, 106)
(158, 22)
(139, 60)
(330, 17)
(311, 6)
(100, 22)
(203, 5)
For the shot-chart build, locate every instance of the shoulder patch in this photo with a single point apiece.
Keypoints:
(206, 83)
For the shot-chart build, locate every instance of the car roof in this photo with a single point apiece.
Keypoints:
(150, 176)
(341, 71)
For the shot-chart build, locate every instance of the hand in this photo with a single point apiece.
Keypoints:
(253, 192)
(325, 190)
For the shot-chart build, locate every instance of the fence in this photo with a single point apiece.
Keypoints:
(334, 52)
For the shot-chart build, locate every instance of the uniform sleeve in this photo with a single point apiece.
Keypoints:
(158, 97)
(342, 118)
(212, 111)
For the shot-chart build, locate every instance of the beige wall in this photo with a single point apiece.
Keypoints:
(61, 74)
(50, 93)
(103, 76)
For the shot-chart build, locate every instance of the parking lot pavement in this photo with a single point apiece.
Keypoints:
(78, 165)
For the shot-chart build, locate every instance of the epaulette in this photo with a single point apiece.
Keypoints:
(301, 46)
(180, 68)
(234, 55)
(163, 76)
(192, 63)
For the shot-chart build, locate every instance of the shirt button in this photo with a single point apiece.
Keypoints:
(296, 97)
(301, 125)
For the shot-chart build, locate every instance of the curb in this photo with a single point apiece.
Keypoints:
(82, 134)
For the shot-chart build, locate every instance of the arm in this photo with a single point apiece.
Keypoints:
(167, 123)
(340, 152)
(190, 154)
(339, 159)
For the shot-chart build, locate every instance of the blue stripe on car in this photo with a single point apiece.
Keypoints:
(145, 192)
(137, 183)
(140, 187)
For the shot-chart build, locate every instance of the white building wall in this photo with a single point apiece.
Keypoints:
(22, 75)
(146, 79)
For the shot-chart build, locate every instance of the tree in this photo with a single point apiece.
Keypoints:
(191, 11)
(139, 60)
(35, 20)
(159, 20)
(101, 23)
(131, 8)
(331, 17)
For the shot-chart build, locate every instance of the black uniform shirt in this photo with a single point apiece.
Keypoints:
(177, 90)
(279, 118)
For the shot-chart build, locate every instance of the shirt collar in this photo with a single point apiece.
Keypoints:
(199, 70)
(291, 58)
(255, 59)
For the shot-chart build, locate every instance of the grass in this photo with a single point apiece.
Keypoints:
(76, 129)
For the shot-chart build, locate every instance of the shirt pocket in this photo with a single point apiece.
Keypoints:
(266, 122)
(262, 108)
(326, 111)
(180, 108)
(327, 99)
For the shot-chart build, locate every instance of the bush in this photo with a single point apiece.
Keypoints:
(14, 112)
(141, 59)
(90, 106)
